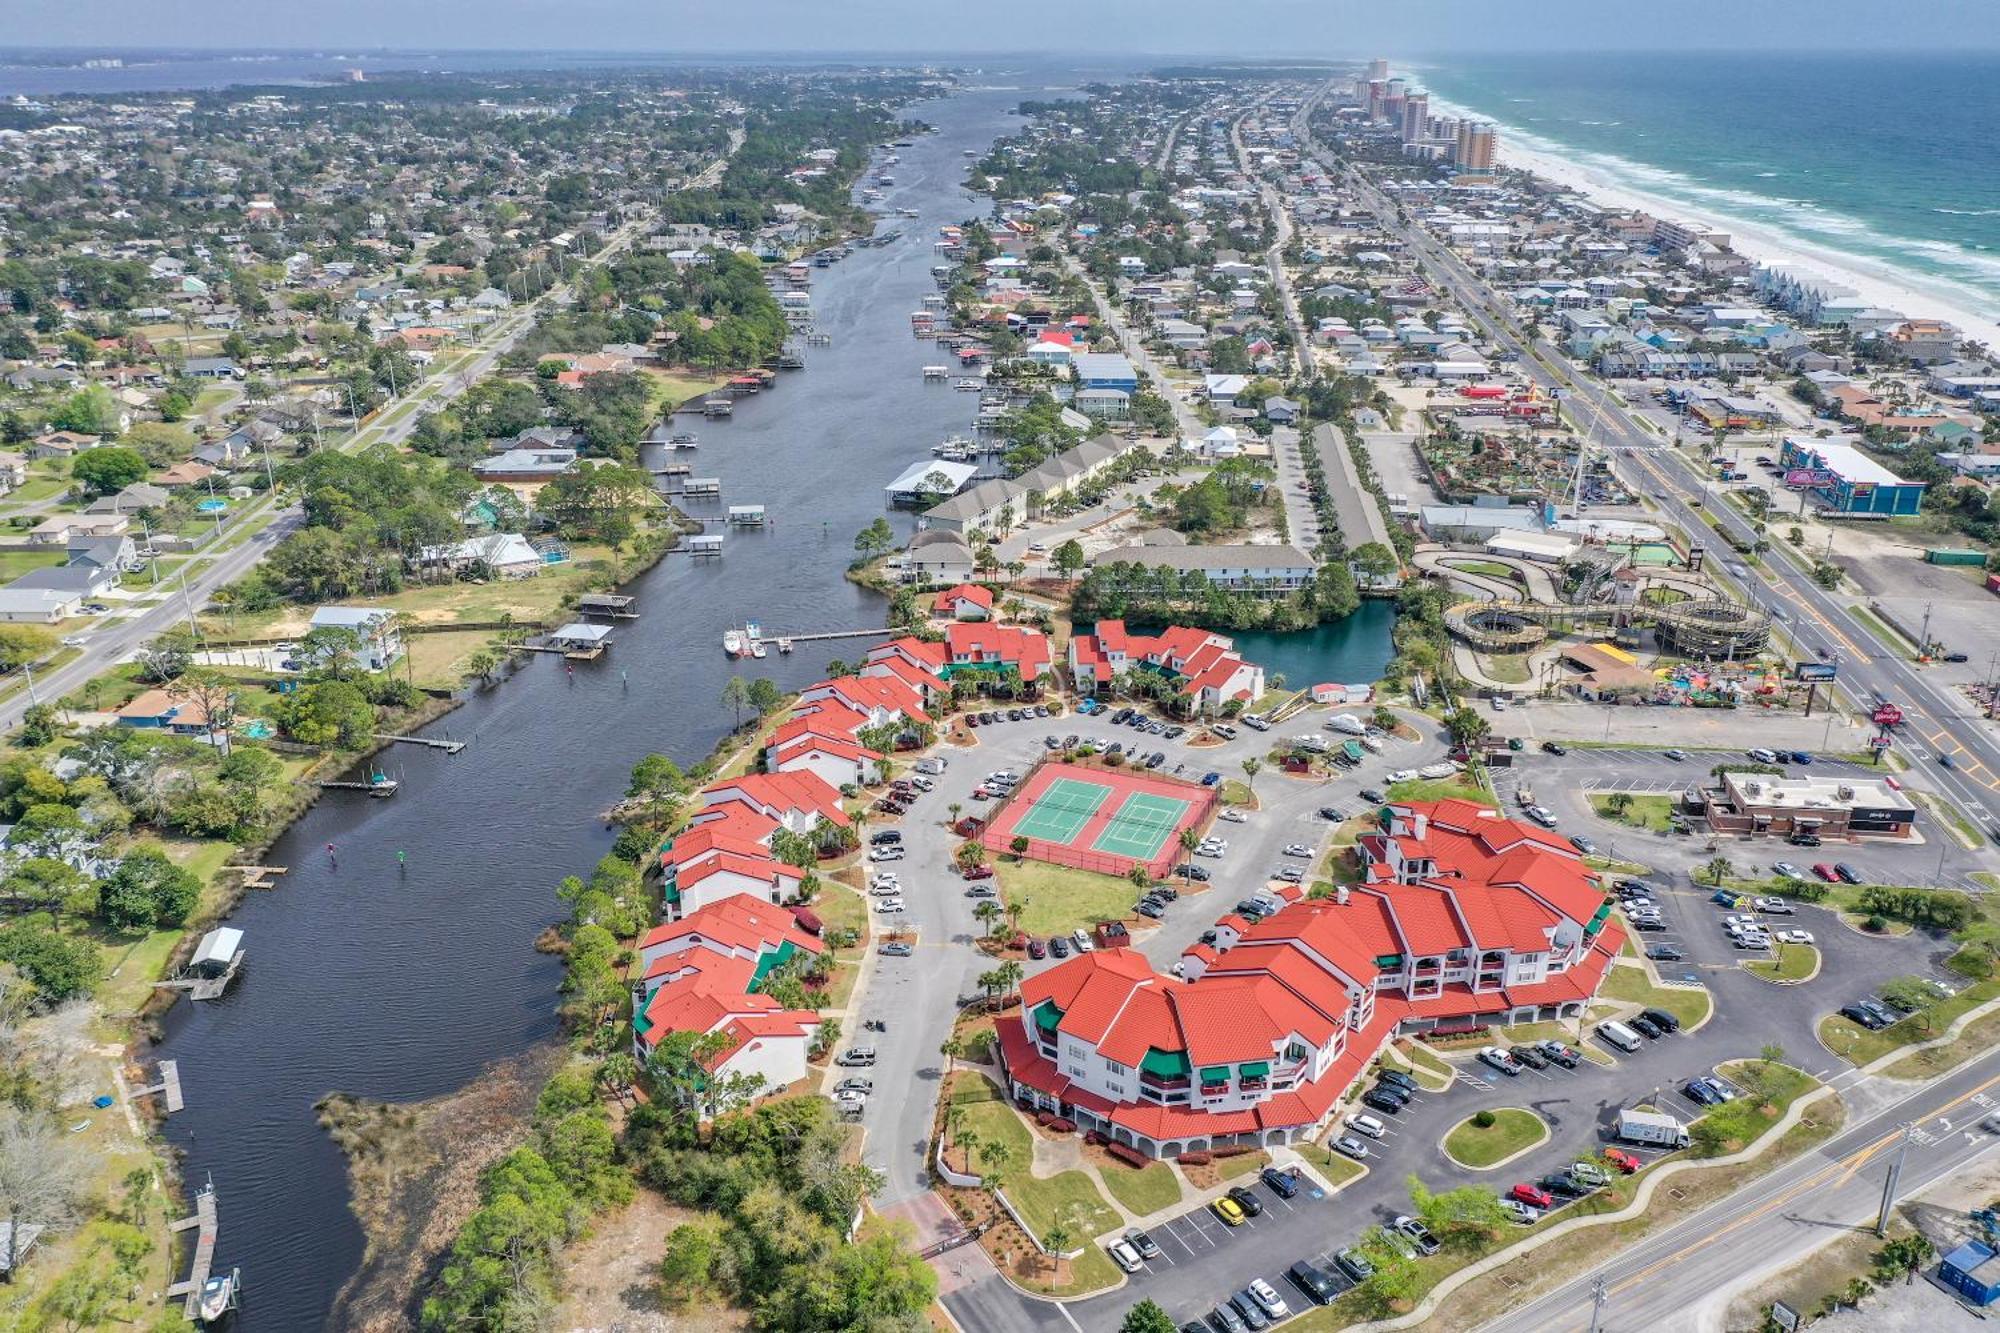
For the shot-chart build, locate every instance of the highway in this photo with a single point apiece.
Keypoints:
(118, 638)
(1936, 722)
(1665, 1283)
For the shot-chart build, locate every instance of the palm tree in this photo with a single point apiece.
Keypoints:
(986, 914)
(1190, 839)
(953, 1049)
(1717, 869)
(1009, 974)
(1055, 1240)
(953, 810)
(994, 1159)
(1013, 911)
(1251, 767)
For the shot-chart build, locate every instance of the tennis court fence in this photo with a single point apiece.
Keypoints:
(1203, 799)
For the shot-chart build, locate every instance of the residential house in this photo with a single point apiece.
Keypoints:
(373, 628)
(967, 601)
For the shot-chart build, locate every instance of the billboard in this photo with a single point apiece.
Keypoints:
(1816, 671)
(1809, 476)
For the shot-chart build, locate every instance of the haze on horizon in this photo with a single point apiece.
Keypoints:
(1080, 28)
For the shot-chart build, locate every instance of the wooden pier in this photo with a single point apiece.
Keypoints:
(169, 1086)
(607, 604)
(776, 640)
(449, 747)
(204, 1250)
(204, 987)
(381, 791)
(258, 877)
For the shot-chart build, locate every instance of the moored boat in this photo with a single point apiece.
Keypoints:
(732, 642)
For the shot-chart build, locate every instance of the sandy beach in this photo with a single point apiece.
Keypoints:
(1877, 284)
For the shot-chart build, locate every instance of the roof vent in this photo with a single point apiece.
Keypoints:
(1340, 895)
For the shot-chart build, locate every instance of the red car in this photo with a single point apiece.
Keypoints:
(977, 872)
(1623, 1160)
(1532, 1196)
(1827, 873)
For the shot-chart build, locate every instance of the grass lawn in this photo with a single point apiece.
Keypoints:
(1056, 899)
(440, 659)
(1862, 1046)
(1459, 787)
(1070, 1195)
(1977, 1038)
(1145, 1191)
(1795, 962)
(1337, 1168)
(1651, 813)
(37, 488)
(1489, 568)
(1507, 668)
(1236, 793)
(15, 563)
(210, 399)
(1987, 878)
(674, 387)
(1735, 1125)
(1420, 1063)
(1688, 1003)
(1512, 1130)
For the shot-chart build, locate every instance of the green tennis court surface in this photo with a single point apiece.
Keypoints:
(1060, 812)
(1141, 826)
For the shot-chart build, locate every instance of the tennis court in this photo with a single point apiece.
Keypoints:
(1141, 826)
(1102, 819)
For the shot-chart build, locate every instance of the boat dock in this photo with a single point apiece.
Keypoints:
(449, 747)
(746, 516)
(379, 787)
(579, 641)
(204, 1250)
(697, 488)
(781, 641)
(258, 877)
(614, 605)
(699, 545)
(169, 1086)
(217, 960)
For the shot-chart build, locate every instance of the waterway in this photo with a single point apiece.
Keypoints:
(1340, 652)
(401, 982)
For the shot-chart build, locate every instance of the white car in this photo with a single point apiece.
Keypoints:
(880, 854)
(889, 906)
(886, 891)
(1298, 849)
(1403, 775)
(1351, 1146)
(1215, 852)
(1234, 816)
(1795, 937)
(1367, 1124)
(1268, 1297)
(1775, 906)
(1124, 1256)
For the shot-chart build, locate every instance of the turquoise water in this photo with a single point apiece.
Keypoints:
(1342, 652)
(1886, 157)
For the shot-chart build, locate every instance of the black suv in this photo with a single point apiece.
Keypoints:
(1661, 1019)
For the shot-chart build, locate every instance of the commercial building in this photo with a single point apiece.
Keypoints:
(1462, 915)
(980, 508)
(1847, 481)
(1478, 146)
(1759, 805)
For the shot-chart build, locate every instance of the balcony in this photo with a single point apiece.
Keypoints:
(1165, 1083)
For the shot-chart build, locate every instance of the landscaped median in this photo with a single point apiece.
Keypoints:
(1487, 1139)
(1484, 1276)
(1793, 964)
(1630, 983)
(1932, 1019)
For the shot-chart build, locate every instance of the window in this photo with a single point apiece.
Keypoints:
(1113, 1067)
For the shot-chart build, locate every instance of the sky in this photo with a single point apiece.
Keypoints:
(1331, 28)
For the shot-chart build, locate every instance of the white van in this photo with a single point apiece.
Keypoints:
(1367, 1124)
(933, 766)
(1624, 1038)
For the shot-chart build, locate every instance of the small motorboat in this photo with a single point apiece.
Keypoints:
(732, 642)
(753, 635)
(784, 647)
(220, 1296)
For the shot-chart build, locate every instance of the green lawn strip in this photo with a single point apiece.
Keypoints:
(1895, 642)
(1690, 1004)
(14, 563)
(1420, 1063)
(1949, 812)
(1977, 1038)
(1794, 962)
(1849, 1039)
(1512, 1130)
(1489, 568)
(1521, 1033)
(1236, 793)
(1987, 878)
(1143, 1191)
(1056, 899)
(1735, 1125)
(1652, 813)
(1458, 788)
(1336, 1168)
(1507, 668)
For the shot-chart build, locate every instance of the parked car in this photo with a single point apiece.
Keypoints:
(1366, 1124)
(1562, 1186)
(1377, 1100)
(1794, 937)
(1567, 1057)
(1224, 1319)
(1699, 1092)
(1124, 1256)
(1418, 1234)
(1645, 1027)
(1228, 1211)
(1623, 1160)
(1247, 1309)
(1495, 1058)
(1285, 1184)
(1396, 1078)
(1554, 747)
(856, 1057)
(1848, 874)
(1246, 1200)
(1352, 1146)
(1661, 1019)
(1037, 950)
(1058, 947)
(895, 949)
(1143, 1243)
(1352, 1264)
(1315, 1282)
(1826, 872)
(1532, 1196)
(1267, 1296)
(1529, 1056)
(1854, 1013)
(1521, 1212)
(1666, 953)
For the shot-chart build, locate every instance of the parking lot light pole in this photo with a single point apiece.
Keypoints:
(1894, 1178)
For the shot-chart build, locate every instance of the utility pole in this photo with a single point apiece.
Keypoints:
(1924, 634)
(1598, 1295)
(1894, 1178)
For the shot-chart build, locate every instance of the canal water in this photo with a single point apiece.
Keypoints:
(1340, 652)
(404, 981)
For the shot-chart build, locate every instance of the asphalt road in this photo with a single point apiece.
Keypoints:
(1937, 722)
(1665, 1283)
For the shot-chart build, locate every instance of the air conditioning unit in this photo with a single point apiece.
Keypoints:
(1844, 791)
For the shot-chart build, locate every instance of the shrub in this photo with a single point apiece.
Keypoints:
(1196, 1158)
(1484, 1120)
(1875, 924)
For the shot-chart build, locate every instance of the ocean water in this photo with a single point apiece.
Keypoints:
(1890, 158)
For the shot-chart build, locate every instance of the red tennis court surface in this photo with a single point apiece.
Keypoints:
(1102, 819)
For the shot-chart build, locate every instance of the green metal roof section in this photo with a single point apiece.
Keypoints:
(1255, 1069)
(1389, 960)
(1165, 1064)
(1047, 1015)
(1215, 1074)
